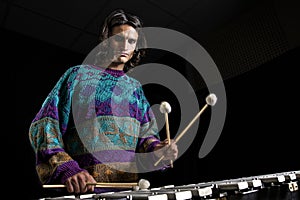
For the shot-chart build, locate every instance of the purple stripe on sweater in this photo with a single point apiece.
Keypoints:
(44, 156)
(120, 109)
(66, 170)
(151, 146)
(106, 156)
(49, 110)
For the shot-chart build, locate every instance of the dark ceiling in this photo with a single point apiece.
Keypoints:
(238, 34)
(74, 24)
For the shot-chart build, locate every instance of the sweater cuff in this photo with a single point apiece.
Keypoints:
(67, 170)
(152, 146)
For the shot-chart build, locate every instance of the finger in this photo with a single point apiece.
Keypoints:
(172, 153)
(174, 147)
(165, 142)
(89, 179)
(82, 184)
(72, 185)
(85, 178)
(69, 186)
(76, 186)
(91, 188)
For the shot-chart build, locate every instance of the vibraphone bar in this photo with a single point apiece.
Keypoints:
(279, 186)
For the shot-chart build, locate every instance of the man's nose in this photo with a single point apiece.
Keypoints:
(125, 45)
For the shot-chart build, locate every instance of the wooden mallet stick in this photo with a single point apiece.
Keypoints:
(142, 184)
(165, 108)
(102, 185)
(211, 100)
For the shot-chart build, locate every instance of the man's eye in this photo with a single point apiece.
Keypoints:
(132, 41)
(118, 38)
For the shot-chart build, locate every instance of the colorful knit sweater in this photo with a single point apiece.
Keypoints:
(94, 119)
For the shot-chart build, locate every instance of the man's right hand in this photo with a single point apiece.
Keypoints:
(77, 183)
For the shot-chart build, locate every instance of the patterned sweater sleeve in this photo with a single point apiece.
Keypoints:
(53, 164)
(148, 137)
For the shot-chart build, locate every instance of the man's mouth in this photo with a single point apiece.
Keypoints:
(123, 54)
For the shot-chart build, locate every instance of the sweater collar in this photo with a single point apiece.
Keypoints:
(114, 72)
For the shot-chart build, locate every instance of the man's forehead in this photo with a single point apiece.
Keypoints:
(124, 30)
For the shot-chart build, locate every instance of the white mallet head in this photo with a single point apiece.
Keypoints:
(165, 107)
(144, 184)
(211, 99)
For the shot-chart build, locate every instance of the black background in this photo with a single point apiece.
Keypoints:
(259, 134)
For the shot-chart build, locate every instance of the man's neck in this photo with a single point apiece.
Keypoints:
(116, 66)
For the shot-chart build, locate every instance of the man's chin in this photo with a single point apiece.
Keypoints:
(117, 62)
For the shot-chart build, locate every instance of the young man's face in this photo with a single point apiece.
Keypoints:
(123, 42)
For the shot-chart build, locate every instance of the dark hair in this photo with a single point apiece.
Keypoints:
(117, 18)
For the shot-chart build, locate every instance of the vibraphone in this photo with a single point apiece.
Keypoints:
(279, 186)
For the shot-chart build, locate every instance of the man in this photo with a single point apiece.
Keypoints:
(97, 119)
